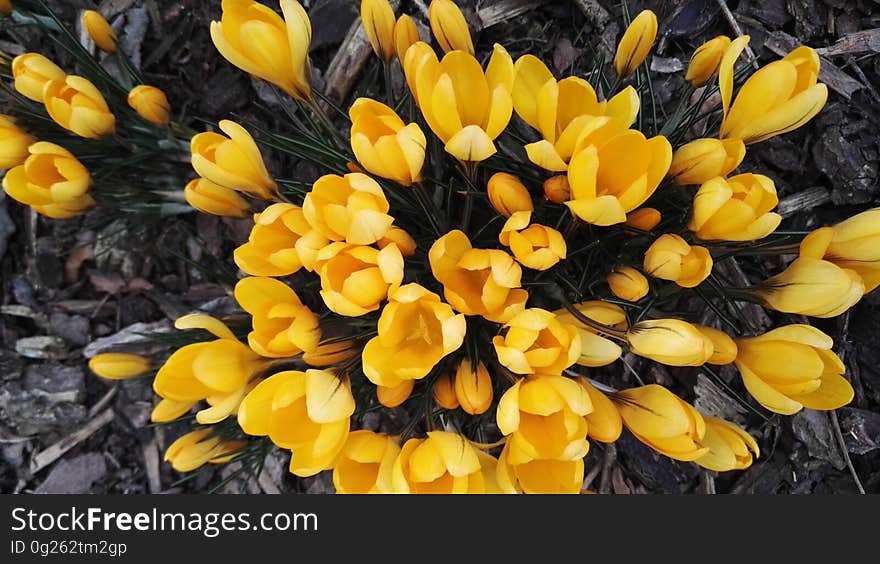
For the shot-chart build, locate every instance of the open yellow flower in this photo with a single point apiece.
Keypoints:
(810, 376)
(255, 39)
(350, 208)
(307, 412)
(76, 105)
(151, 104)
(119, 366)
(14, 143)
(636, 43)
(234, 161)
(99, 30)
(671, 258)
(355, 279)
(705, 61)
(534, 246)
(704, 159)
(482, 282)
(383, 145)
(464, 106)
(813, 287)
(596, 350)
(670, 341)
(442, 463)
(605, 423)
(539, 476)
(207, 197)
(52, 181)
(730, 446)
(415, 330)
(536, 342)
(736, 209)
(377, 19)
(853, 244)
(473, 387)
(508, 195)
(776, 99)
(31, 72)
(723, 347)
(365, 463)
(280, 243)
(283, 326)
(663, 421)
(627, 283)
(200, 447)
(405, 35)
(449, 27)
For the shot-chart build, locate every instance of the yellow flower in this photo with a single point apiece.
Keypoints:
(670, 257)
(355, 279)
(706, 60)
(473, 387)
(395, 395)
(365, 463)
(508, 195)
(377, 19)
(449, 27)
(151, 104)
(810, 375)
(535, 246)
(199, 447)
(281, 242)
(557, 189)
(119, 366)
(401, 238)
(444, 392)
(617, 177)
(663, 421)
(51, 181)
(627, 283)
(730, 446)
(605, 423)
(255, 39)
(853, 243)
(776, 99)
(636, 43)
(14, 143)
(595, 349)
(283, 326)
(736, 209)
(31, 72)
(331, 351)
(567, 112)
(99, 30)
(169, 410)
(536, 342)
(539, 476)
(415, 330)
(405, 34)
(464, 106)
(723, 347)
(350, 208)
(442, 463)
(5, 7)
(644, 219)
(482, 282)
(307, 412)
(207, 197)
(544, 418)
(383, 145)
(76, 105)
(702, 160)
(234, 161)
(670, 341)
(813, 287)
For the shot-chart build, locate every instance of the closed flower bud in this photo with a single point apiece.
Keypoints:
(604, 421)
(331, 352)
(405, 34)
(395, 395)
(663, 421)
(281, 242)
(401, 238)
(536, 342)
(813, 287)
(645, 219)
(508, 195)
(76, 105)
(853, 243)
(704, 159)
(355, 279)
(473, 387)
(254, 38)
(377, 18)
(556, 189)
(596, 350)
(233, 162)
(383, 145)
(705, 61)
(283, 326)
(51, 181)
(442, 463)
(730, 446)
(723, 347)
(793, 367)
(350, 208)
(31, 72)
(207, 197)
(670, 341)
(736, 209)
(99, 30)
(636, 43)
(197, 448)
(119, 366)
(534, 246)
(670, 257)
(151, 104)
(539, 476)
(14, 143)
(628, 284)
(449, 26)
(444, 392)
(365, 463)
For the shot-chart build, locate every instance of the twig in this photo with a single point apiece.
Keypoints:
(737, 30)
(835, 423)
(55, 451)
(150, 451)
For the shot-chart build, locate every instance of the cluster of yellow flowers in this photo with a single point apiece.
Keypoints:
(446, 280)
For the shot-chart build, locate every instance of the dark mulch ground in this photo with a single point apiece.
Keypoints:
(64, 286)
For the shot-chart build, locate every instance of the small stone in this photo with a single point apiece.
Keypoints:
(74, 476)
(72, 328)
(42, 347)
(31, 414)
(13, 454)
(861, 429)
(813, 429)
(11, 366)
(55, 382)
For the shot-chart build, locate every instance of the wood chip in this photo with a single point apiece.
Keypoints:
(150, 451)
(55, 451)
(804, 200)
(503, 10)
(865, 41)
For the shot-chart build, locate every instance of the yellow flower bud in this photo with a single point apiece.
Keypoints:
(444, 392)
(473, 387)
(401, 238)
(350, 208)
(449, 26)
(283, 326)
(706, 60)
(355, 279)
(670, 257)
(538, 476)
(200, 447)
(813, 287)
(670, 341)
(99, 30)
(169, 410)
(508, 195)
(704, 159)
(281, 243)
(14, 143)
(853, 243)
(207, 197)
(645, 219)
(119, 366)
(535, 246)
(5, 7)
(31, 72)
(395, 395)
(383, 145)
(556, 189)
(442, 463)
(365, 463)
(405, 34)
(793, 367)
(730, 446)
(233, 162)
(736, 209)
(628, 284)
(605, 423)
(596, 350)
(151, 104)
(254, 38)
(636, 43)
(76, 105)
(51, 181)
(377, 19)
(330, 352)
(536, 342)
(723, 347)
